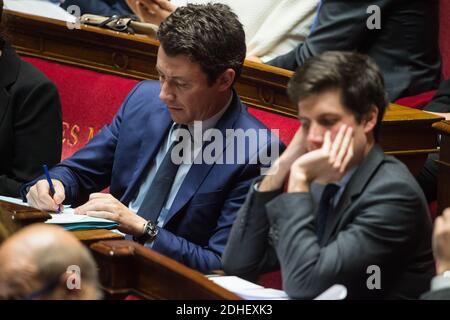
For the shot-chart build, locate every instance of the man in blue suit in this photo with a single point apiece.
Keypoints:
(201, 54)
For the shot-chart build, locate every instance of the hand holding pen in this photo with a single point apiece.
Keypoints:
(52, 189)
(47, 194)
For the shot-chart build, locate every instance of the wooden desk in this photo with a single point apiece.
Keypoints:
(90, 236)
(443, 189)
(126, 267)
(24, 216)
(406, 133)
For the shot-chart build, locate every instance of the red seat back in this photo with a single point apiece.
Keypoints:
(286, 126)
(89, 100)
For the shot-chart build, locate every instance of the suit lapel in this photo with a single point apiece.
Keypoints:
(355, 186)
(198, 172)
(157, 127)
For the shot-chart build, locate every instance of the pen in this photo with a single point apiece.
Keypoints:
(50, 183)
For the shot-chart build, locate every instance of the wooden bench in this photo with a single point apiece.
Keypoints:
(127, 268)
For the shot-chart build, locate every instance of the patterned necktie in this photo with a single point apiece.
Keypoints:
(325, 207)
(161, 185)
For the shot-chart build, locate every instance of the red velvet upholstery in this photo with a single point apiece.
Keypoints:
(286, 126)
(417, 102)
(89, 100)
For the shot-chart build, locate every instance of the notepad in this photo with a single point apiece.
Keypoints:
(248, 290)
(69, 220)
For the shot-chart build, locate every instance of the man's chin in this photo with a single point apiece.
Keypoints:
(178, 118)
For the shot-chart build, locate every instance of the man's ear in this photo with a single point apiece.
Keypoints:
(370, 119)
(226, 79)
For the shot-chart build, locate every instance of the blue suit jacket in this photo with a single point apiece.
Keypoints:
(198, 223)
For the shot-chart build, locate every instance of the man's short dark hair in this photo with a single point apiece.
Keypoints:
(354, 75)
(210, 35)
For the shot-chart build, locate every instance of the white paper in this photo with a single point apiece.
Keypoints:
(39, 8)
(252, 291)
(248, 290)
(66, 217)
(336, 292)
(264, 294)
(14, 200)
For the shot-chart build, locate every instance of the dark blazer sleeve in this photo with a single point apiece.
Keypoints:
(37, 129)
(341, 25)
(380, 234)
(441, 100)
(249, 252)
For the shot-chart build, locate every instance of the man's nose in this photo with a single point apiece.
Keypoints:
(315, 136)
(165, 93)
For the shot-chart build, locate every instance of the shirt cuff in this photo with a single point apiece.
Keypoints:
(441, 281)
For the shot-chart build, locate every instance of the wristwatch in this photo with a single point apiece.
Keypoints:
(150, 233)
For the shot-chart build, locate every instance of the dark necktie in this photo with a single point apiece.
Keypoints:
(160, 187)
(325, 207)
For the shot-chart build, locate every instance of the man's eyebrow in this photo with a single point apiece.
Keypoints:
(329, 115)
(174, 78)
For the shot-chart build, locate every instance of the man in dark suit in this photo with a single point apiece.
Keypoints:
(400, 35)
(185, 211)
(440, 285)
(351, 215)
(30, 121)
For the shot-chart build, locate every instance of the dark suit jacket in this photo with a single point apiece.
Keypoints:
(199, 221)
(405, 47)
(101, 7)
(441, 100)
(381, 219)
(30, 123)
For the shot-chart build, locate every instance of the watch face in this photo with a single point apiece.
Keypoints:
(151, 230)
